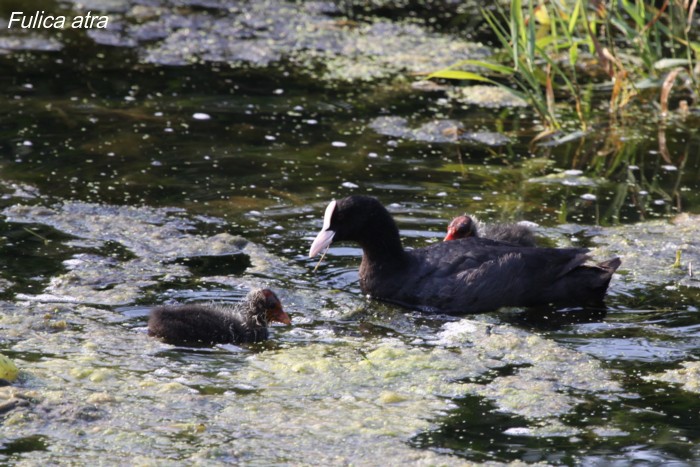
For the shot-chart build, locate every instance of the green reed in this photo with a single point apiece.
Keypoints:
(548, 50)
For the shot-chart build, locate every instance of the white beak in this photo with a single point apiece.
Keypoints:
(325, 236)
(321, 242)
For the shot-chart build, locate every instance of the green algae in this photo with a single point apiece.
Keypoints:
(648, 251)
(156, 237)
(316, 396)
(102, 280)
(438, 131)
(381, 49)
(266, 32)
(146, 232)
(485, 96)
(567, 178)
(341, 400)
(29, 42)
(687, 376)
(369, 389)
(100, 391)
(550, 375)
(119, 386)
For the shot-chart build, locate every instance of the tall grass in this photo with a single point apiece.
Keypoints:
(629, 41)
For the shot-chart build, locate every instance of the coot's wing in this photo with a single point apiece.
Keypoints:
(474, 275)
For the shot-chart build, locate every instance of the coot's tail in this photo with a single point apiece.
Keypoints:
(611, 266)
(584, 285)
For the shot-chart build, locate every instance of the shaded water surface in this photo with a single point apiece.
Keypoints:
(138, 171)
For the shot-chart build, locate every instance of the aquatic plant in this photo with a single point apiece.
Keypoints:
(546, 47)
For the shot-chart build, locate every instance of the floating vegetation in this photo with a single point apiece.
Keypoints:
(439, 131)
(157, 237)
(8, 369)
(485, 96)
(688, 376)
(649, 250)
(248, 117)
(550, 376)
(567, 178)
(28, 42)
(265, 32)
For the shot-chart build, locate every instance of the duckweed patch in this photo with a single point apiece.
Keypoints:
(375, 385)
(485, 96)
(439, 131)
(262, 33)
(687, 376)
(649, 251)
(549, 377)
(260, 113)
(155, 236)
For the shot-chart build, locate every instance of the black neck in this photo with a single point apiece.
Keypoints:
(384, 243)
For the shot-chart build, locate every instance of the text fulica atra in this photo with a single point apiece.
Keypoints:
(469, 275)
(467, 226)
(205, 325)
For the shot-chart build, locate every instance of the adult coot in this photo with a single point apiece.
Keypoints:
(206, 325)
(468, 275)
(466, 226)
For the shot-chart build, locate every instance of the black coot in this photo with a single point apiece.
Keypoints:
(469, 275)
(207, 325)
(467, 226)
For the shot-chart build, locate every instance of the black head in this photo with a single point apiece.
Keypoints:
(356, 218)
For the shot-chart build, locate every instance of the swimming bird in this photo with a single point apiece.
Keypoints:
(467, 226)
(197, 324)
(469, 275)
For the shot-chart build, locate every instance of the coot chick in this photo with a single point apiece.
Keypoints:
(466, 226)
(207, 325)
(469, 275)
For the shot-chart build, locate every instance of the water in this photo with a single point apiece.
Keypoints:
(129, 182)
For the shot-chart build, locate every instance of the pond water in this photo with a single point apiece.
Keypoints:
(170, 159)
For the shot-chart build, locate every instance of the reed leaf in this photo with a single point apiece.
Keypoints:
(459, 75)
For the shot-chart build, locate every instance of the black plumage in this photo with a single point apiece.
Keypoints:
(469, 275)
(196, 324)
(465, 226)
